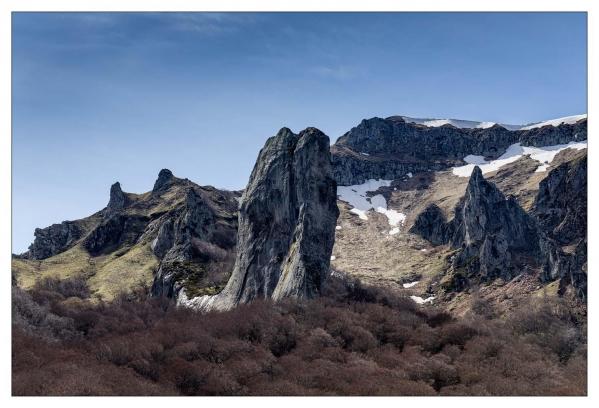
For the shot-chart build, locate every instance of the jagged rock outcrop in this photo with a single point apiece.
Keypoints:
(164, 180)
(390, 148)
(554, 135)
(54, 239)
(492, 230)
(190, 229)
(120, 230)
(58, 238)
(561, 210)
(431, 225)
(351, 167)
(492, 234)
(194, 235)
(118, 200)
(494, 237)
(561, 203)
(287, 223)
(165, 239)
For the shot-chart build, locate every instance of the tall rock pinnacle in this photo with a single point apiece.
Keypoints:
(165, 177)
(118, 199)
(491, 232)
(286, 223)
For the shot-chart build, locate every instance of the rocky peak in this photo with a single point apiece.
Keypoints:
(165, 178)
(287, 223)
(118, 199)
(491, 233)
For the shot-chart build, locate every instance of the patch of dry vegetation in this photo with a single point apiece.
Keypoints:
(107, 275)
(354, 340)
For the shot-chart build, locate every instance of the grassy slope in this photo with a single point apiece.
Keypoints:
(107, 275)
(365, 250)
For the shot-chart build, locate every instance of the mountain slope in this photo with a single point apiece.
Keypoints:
(380, 166)
(183, 236)
(116, 248)
(391, 148)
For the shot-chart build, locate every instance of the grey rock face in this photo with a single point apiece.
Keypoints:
(164, 240)
(115, 232)
(550, 135)
(351, 167)
(188, 237)
(54, 239)
(561, 210)
(286, 222)
(165, 178)
(118, 200)
(491, 232)
(395, 147)
(561, 203)
(431, 225)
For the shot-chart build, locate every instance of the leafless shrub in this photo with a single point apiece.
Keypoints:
(355, 340)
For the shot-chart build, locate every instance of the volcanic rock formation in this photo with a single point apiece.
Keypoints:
(561, 210)
(286, 223)
(390, 148)
(491, 233)
(54, 239)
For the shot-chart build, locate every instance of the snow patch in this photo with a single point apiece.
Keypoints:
(333, 257)
(394, 231)
(338, 227)
(410, 175)
(543, 155)
(410, 284)
(421, 301)
(357, 197)
(459, 123)
(542, 168)
(364, 154)
(556, 122)
(472, 124)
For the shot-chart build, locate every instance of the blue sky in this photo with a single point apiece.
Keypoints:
(105, 97)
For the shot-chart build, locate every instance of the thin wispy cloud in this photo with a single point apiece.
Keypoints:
(208, 23)
(338, 72)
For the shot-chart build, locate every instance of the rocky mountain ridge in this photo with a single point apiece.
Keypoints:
(181, 238)
(177, 223)
(391, 148)
(493, 237)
